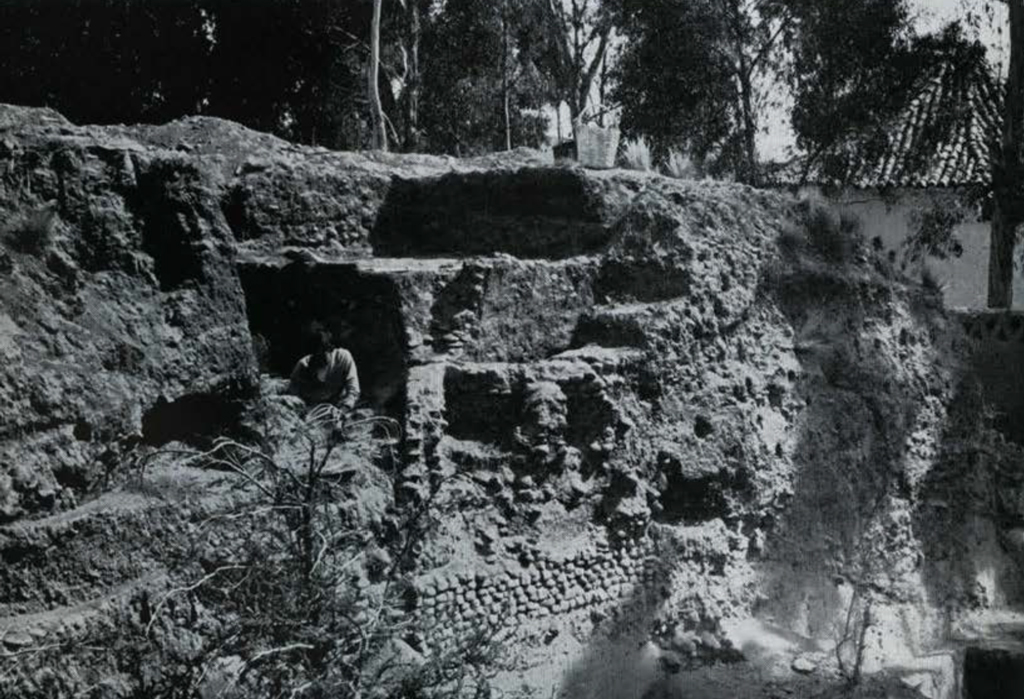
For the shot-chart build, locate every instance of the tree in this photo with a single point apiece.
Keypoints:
(579, 32)
(690, 73)
(104, 61)
(291, 68)
(482, 86)
(378, 127)
(411, 77)
(1008, 170)
(847, 84)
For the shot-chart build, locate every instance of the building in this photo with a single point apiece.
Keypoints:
(933, 166)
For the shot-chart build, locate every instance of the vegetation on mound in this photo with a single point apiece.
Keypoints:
(302, 589)
(32, 232)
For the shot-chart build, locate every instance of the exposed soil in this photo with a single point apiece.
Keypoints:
(690, 444)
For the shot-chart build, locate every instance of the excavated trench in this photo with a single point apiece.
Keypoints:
(362, 312)
(532, 213)
(505, 316)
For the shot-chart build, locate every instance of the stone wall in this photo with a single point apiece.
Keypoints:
(594, 580)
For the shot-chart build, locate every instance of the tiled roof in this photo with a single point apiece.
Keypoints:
(941, 138)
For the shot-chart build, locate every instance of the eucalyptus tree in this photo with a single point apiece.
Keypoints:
(693, 74)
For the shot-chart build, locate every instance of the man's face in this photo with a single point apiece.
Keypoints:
(318, 360)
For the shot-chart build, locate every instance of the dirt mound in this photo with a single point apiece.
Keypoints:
(665, 408)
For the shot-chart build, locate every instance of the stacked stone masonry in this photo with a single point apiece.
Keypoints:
(452, 604)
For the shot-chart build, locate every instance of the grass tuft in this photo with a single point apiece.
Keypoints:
(680, 166)
(636, 155)
(836, 239)
(33, 232)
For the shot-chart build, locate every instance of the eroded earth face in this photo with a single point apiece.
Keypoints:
(666, 442)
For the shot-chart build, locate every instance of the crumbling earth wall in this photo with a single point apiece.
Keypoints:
(652, 414)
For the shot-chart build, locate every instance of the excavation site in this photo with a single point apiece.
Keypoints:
(616, 434)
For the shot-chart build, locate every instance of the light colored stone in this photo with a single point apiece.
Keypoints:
(804, 665)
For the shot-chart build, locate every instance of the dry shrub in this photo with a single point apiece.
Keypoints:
(680, 166)
(636, 155)
(837, 239)
(33, 232)
(313, 572)
(930, 280)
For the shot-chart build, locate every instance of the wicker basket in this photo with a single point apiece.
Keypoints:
(596, 146)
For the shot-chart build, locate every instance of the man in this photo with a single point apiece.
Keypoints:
(326, 375)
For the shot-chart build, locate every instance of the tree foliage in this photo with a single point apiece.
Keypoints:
(296, 68)
(479, 52)
(846, 84)
(289, 67)
(102, 61)
(690, 77)
(577, 36)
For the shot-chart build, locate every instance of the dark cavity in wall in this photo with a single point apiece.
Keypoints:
(481, 407)
(361, 310)
(691, 500)
(641, 280)
(993, 674)
(173, 220)
(531, 213)
(694, 497)
(196, 419)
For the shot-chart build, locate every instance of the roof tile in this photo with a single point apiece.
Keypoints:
(940, 138)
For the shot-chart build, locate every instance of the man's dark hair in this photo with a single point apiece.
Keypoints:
(316, 338)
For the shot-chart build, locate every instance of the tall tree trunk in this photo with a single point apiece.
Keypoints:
(749, 126)
(744, 98)
(574, 76)
(504, 75)
(1000, 259)
(585, 75)
(412, 79)
(508, 122)
(576, 104)
(380, 134)
(1007, 188)
(575, 111)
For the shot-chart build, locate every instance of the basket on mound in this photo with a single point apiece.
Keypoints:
(596, 146)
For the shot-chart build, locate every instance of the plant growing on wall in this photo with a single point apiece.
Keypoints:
(932, 229)
(312, 572)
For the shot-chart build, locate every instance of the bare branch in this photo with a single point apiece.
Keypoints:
(189, 588)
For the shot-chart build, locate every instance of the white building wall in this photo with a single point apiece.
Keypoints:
(965, 278)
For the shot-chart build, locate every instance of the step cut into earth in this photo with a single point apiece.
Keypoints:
(698, 440)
